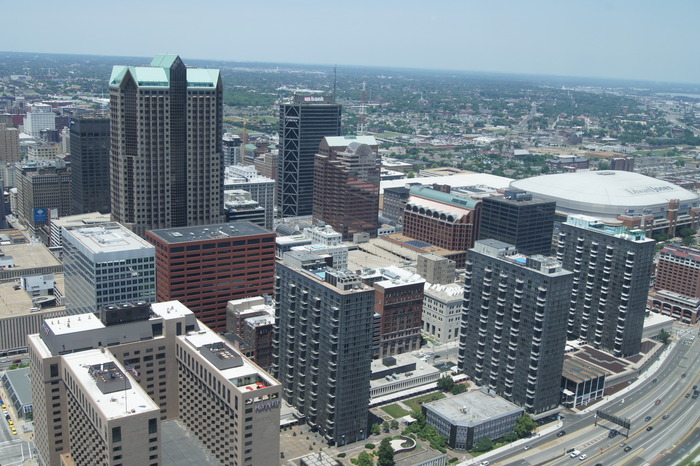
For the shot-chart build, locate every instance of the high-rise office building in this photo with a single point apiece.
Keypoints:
(513, 330)
(261, 188)
(106, 264)
(322, 345)
(346, 185)
(166, 151)
(40, 117)
(206, 266)
(519, 219)
(41, 188)
(103, 385)
(612, 269)
(303, 123)
(9, 144)
(89, 149)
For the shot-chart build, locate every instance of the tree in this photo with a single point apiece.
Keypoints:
(385, 454)
(445, 384)
(664, 336)
(688, 240)
(385, 426)
(459, 388)
(394, 424)
(485, 444)
(364, 459)
(510, 437)
(685, 232)
(375, 429)
(524, 426)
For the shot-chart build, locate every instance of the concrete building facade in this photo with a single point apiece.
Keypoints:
(106, 264)
(612, 270)
(102, 386)
(513, 330)
(322, 347)
(9, 144)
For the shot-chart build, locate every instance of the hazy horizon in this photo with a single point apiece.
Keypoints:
(622, 40)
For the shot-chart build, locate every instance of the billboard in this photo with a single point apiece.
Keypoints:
(41, 215)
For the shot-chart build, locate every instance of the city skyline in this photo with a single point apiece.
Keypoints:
(621, 40)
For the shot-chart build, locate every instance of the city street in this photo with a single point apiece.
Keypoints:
(665, 443)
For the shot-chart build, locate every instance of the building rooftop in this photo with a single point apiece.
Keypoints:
(578, 370)
(487, 182)
(208, 232)
(14, 303)
(107, 237)
(343, 141)
(461, 202)
(30, 256)
(21, 382)
(472, 408)
(239, 371)
(595, 224)
(105, 381)
(450, 291)
(90, 218)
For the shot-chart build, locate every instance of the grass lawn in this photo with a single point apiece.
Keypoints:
(415, 403)
(395, 411)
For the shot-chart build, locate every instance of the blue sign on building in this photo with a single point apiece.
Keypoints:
(41, 215)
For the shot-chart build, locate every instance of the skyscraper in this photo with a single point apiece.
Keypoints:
(519, 219)
(346, 184)
(322, 345)
(166, 151)
(303, 123)
(612, 269)
(89, 155)
(513, 330)
(9, 144)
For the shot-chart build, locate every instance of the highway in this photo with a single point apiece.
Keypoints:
(668, 441)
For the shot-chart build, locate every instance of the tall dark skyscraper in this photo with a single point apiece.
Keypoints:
(346, 185)
(303, 123)
(166, 154)
(612, 269)
(519, 219)
(513, 330)
(322, 345)
(89, 149)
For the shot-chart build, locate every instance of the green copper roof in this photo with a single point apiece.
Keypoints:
(459, 201)
(164, 60)
(157, 75)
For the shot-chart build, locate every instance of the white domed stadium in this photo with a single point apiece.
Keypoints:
(607, 194)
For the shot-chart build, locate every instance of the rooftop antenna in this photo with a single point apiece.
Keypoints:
(335, 80)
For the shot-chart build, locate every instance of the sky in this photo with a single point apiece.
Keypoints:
(648, 40)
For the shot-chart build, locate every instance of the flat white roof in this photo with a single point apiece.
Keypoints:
(121, 403)
(108, 237)
(170, 309)
(74, 323)
(485, 180)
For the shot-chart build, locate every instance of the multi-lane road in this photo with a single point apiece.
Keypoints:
(668, 440)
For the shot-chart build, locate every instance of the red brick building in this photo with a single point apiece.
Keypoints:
(442, 219)
(206, 266)
(677, 284)
(346, 185)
